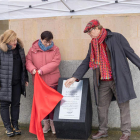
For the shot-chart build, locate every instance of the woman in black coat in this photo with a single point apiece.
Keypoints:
(13, 79)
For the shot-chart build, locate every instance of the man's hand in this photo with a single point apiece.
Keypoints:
(34, 71)
(26, 84)
(69, 82)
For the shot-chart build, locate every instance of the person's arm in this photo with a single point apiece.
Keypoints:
(84, 66)
(29, 64)
(129, 52)
(26, 74)
(26, 78)
(81, 70)
(50, 67)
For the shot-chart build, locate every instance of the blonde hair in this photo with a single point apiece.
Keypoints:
(6, 37)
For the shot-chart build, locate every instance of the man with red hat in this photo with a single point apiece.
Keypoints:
(107, 56)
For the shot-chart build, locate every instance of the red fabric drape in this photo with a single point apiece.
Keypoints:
(44, 101)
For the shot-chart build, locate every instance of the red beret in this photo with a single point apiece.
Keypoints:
(91, 24)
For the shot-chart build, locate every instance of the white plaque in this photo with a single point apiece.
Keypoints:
(71, 103)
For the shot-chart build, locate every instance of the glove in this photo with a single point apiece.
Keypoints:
(34, 71)
(40, 72)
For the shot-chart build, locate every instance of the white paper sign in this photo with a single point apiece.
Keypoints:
(71, 103)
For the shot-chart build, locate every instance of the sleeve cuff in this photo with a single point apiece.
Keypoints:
(77, 80)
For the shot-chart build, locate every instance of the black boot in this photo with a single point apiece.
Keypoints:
(17, 131)
(9, 131)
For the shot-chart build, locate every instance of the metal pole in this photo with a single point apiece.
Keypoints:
(52, 9)
(30, 6)
(132, 3)
(47, 2)
(67, 6)
(11, 5)
(94, 6)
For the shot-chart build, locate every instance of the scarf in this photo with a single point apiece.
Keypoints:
(9, 47)
(42, 47)
(98, 56)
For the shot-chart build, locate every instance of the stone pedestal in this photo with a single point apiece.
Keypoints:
(69, 126)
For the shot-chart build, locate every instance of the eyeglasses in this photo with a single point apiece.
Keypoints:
(90, 30)
(48, 42)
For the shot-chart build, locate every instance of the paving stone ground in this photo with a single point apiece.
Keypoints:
(113, 135)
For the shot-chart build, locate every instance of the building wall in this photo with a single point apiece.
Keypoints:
(74, 44)
(4, 25)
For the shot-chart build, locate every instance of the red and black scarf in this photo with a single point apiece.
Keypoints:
(98, 56)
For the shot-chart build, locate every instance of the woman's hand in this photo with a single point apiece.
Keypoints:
(26, 84)
(34, 71)
(69, 82)
(40, 72)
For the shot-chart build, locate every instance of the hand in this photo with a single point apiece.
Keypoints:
(34, 71)
(26, 84)
(69, 82)
(40, 72)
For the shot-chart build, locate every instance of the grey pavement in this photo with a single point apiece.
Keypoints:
(113, 135)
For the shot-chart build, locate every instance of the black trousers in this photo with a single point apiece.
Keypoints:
(11, 108)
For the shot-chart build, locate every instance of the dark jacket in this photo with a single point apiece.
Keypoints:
(119, 50)
(6, 72)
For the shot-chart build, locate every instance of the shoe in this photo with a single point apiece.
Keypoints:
(9, 131)
(46, 127)
(16, 130)
(124, 137)
(99, 135)
(52, 127)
